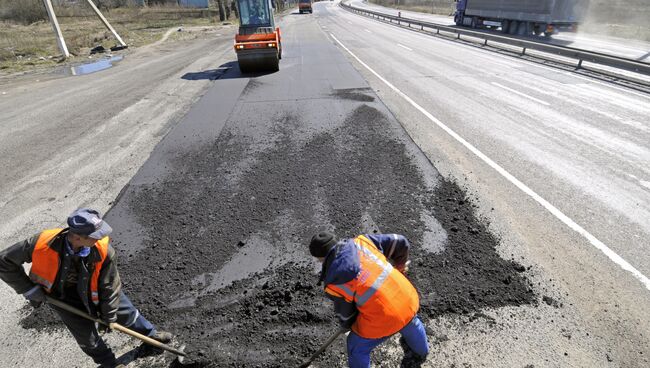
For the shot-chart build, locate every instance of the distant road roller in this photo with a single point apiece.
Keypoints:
(258, 44)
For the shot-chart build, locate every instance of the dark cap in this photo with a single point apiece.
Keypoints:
(88, 222)
(321, 243)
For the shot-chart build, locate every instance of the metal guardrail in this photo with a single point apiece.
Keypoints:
(565, 51)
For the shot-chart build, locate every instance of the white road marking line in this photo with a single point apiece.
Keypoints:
(521, 94)
(402, 46)
(367, 31)
(524, 63)
(523, 187)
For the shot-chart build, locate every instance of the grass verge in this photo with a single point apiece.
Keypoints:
(33, 46)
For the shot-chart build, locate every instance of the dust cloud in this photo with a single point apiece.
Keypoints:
(620, 18)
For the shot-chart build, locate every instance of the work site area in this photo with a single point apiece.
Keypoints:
(346, 183)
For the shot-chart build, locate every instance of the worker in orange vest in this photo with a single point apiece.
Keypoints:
(365, 278)
(78, 266)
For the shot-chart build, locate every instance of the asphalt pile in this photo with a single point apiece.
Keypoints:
(359, 175)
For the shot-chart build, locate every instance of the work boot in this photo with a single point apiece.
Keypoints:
(112, 363)
(411, 359)
(162, 336)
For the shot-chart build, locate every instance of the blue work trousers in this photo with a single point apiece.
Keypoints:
(85, 331)
(359, 348)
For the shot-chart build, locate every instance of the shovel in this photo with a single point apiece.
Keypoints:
(115, 326)
(327, 343)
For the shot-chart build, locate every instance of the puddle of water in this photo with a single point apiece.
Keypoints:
(93, 67)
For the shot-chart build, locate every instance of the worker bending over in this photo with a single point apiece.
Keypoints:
(365, 278)
(78, 266)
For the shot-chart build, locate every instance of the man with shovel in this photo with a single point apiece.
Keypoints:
(365, 278)
(77, 266)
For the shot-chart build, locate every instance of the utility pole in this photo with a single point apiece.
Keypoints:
(57, 30)
(108, 25)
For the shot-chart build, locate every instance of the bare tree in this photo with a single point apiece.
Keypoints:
(222, 12)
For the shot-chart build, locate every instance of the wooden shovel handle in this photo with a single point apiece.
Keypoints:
(114, 326)
(327, 343)
(145, 339)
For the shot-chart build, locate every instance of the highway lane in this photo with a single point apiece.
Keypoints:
(581, 145)
(589, 310)
(633, 49)
(258, 165)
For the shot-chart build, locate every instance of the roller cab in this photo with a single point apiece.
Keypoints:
(258, 43)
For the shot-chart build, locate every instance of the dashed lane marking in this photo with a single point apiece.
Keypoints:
(404, 47)
(523, 187)
(521, 94)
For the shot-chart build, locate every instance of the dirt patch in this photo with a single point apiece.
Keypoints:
(31, 47)
(252, 85)
(354, 94)
(41, 319)
(551, 301)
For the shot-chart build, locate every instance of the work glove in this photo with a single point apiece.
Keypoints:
(105, 326)
(35, 296)
(103, 329)
(404, 268)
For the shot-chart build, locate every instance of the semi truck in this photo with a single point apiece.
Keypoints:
(521, 17)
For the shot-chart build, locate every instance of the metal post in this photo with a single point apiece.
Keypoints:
(579, 64)
(485, 43)
(523, 52)
(108, 25)
(57, 30)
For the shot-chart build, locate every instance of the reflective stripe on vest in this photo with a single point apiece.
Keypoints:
(385, 299)
(102, 247)
(367, 259)
(46, 263)
(363, 298)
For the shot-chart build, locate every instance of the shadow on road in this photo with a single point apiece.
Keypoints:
(229, 70)
(210, 74)
(135, 353)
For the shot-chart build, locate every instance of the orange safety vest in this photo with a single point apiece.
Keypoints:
(385, 298)
(46, 263)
